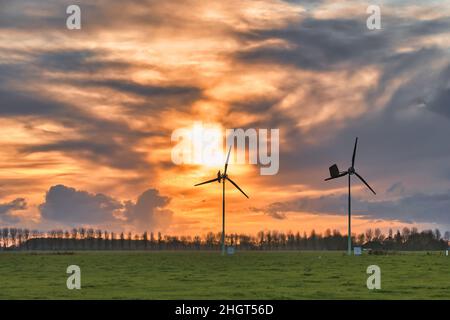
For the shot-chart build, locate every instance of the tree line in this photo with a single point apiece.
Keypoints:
(91, 239)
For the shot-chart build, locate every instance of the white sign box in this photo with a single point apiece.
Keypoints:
(230, 250)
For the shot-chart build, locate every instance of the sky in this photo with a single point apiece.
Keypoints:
(86, 116)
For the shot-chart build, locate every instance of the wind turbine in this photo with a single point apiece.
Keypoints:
(223, 177)
(334, 174)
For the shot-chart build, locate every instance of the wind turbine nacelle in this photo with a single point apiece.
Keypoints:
(334, 171)
(219, 176)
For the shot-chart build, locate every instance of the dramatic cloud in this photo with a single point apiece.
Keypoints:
(69, 205)
(107, 152)
(417, 208)
(148, 213)
(396, 188)
(6, 210)
(322, 44)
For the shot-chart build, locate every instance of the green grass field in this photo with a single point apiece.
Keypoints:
(207, 275)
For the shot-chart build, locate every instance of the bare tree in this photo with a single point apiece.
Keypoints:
(369, 235)
(4, 237)
(145, 239)
(26, 235)
(447, 235)
(13, 234)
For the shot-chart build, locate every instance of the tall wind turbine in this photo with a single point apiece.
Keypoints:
(334, 174)
(222, 178)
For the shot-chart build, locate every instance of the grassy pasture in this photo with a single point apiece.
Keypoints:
(208, 275)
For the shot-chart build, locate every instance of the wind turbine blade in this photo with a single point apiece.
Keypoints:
(354, 152)
(364, 181)
(237, 186)
(226, 162)
(340, 175)
(209, 181)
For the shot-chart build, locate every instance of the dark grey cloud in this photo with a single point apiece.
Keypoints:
(148, 211)
(145, 90)
(417, 77)
(441, 103)
(427, 27)
(7, 208)
(16, 103)
(272, 118)
(108, 153)
(73, 61)
(396, 188)
(316, 44)
(71, 206)
(29, 14)
(439, 100)
(68, 205)
(325, 204)
(321, 44)
(156, 97)
(419, 207)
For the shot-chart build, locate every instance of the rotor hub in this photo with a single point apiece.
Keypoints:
(351, 170)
